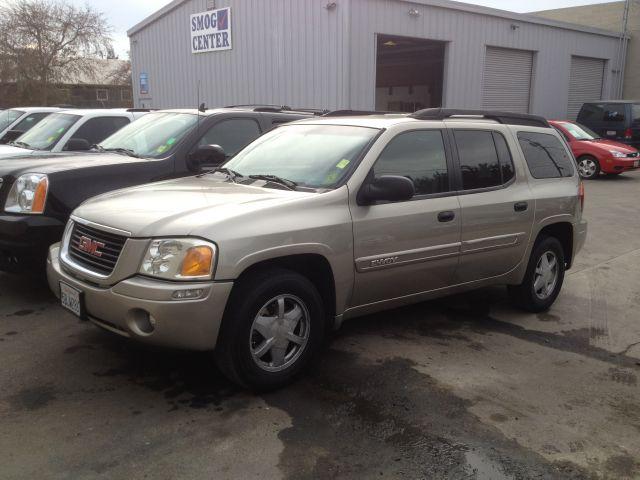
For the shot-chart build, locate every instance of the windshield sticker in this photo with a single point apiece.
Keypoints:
(342, 164)
(331, 178)
(171, 141)
(60, 130)
(162, 149)
(51, 139)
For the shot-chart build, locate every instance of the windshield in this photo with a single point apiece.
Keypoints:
(316, 156)
(8, 117)
(47, 133)
(154, 135)
(580, 132)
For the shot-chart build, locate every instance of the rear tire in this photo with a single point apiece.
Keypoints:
(588, 167)
(543, 279)
(273, 328)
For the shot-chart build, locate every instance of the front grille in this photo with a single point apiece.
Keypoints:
(95, 249)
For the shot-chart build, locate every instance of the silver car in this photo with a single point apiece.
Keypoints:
(323, 220)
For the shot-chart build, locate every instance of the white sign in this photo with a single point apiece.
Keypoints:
(211, 31)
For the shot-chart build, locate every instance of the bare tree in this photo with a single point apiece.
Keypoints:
(47, 41)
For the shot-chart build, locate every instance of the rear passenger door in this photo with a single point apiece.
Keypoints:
(408, 247)
(496, 203)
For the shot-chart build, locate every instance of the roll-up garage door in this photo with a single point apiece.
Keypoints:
(585, 83)
(507, 80)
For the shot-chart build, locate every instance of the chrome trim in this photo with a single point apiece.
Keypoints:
(475, 245)
(66, 259)
(376, 262)
(89, 223)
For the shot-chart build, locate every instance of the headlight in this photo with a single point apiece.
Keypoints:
(179, 259)
(617, 154)
(28, 194)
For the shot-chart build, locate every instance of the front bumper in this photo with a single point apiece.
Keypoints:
(185, 324)
(619, 165)
(25, 240)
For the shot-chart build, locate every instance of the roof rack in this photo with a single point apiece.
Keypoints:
(139, 110)
(507, 118)
(353, 113)
(279, 109)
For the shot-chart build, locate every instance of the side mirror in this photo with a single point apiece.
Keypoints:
(390, 188)
(10, 136)
(210, 155)
(77, 145)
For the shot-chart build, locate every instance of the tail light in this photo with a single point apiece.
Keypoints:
(628, 134)
(581, 195)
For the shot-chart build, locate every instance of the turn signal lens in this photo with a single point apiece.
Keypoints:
(197, 262)
(40, 196)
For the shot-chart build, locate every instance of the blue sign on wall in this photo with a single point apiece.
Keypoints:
(144, 84)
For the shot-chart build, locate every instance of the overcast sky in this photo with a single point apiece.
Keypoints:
(123, 14)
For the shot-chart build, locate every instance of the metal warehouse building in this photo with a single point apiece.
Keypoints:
(368, 54)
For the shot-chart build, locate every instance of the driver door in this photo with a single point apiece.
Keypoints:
(408, 247)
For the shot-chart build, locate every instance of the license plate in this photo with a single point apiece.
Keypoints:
(71, 299)
(611, 133)
(636, 163)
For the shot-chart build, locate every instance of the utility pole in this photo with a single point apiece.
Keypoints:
(622, 49)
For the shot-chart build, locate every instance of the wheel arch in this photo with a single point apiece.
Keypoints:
(312, 265)
(563, 231)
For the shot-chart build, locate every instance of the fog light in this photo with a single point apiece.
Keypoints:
(187, 294)
(141, 322)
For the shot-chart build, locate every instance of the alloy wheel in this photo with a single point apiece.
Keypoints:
(587, 168)
(279, 333)
(546, 275)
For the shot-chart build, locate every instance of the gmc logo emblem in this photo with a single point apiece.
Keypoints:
(90, 246)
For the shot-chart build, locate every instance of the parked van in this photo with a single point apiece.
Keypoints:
(614, 120)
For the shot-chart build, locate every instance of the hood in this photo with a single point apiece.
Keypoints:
(10, 151)
(57, 162)
(181, 207)
(608, 145)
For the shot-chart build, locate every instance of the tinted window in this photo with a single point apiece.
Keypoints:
(614, 112)
(232, 135)
(29, 121)
(545, 155)
(506, 161)
(591, 113)
(97, 129)
(635, 113)
(8, 117)
(419, 156)
(479, 160)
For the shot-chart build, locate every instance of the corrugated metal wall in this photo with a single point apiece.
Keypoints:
(297, 52)
(284, 52)
(585, 84)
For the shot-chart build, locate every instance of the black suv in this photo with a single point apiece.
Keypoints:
(37, 194)
(617, 120)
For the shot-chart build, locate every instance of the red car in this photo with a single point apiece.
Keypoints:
(595, 154)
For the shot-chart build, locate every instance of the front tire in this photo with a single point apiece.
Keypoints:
(588, 167)
(273, 328)
(543, 279)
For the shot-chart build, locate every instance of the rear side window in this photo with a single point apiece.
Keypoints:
(232, 135)
(97, 129)
(485, 159)
(635, 113)
(420, 156)
(29, 121)
(545, 155)
(614, 112)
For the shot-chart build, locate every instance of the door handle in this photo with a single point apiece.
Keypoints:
(521, 206)
(447, 216)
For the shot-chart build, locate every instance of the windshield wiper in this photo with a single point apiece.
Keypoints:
(21, 145)
(232, 174)
(290, 184)
(124, 151)
(95, 146)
